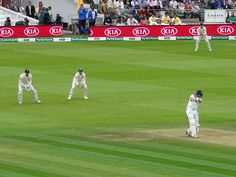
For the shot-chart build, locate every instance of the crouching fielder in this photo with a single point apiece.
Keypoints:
(202, 35)
(25, 83)
(79, 80)
(192, 113)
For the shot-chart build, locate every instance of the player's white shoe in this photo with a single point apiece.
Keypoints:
(195, 50)
(37, 101)
(85, 98)
(210, 50)
(69, 98)
(20, 102)
(187, 133)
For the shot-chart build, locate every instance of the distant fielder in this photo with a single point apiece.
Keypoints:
(25, 83)
(192, 113)
(79, 80)
(202, 35)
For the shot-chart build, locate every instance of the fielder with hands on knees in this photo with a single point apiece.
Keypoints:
(25, 83)
(79, 80)
(192, 113)
(202, 35)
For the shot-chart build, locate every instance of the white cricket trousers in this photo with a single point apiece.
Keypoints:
(30, 89)
(75, 85)
(193, 119)
(198, 40)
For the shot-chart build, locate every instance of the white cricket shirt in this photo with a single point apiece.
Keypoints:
(23, 80)
(202, 31)
(80, 78)
(193, 102)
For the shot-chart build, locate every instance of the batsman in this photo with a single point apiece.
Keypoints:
(192, 113)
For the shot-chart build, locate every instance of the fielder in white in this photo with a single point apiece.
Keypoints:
(192, 113)
(79, 80)
(202, 35)
(25, 83)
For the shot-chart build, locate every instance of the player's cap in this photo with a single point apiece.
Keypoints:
(81, 70)
(27, 71)
(199, 92)
(201, 23)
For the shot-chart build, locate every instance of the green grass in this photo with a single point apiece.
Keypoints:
(132, 86)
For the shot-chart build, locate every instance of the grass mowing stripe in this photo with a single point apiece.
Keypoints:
(162, 153)
(7, 173)
(118, 161)
(4, 175)
(50, 166)
(28, 171)
(19, 171)
(130, 155)
(158, 168)
(59, 168)
(87, 161)
(182, 150)
(110, 159)
(172, 149)
(80, 165)
(228, 153)
(163, 149)
(83, 163)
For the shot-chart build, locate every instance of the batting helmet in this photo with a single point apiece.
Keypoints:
(27, 71)
(199, 92)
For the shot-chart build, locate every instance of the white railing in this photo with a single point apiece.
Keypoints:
(14, 16)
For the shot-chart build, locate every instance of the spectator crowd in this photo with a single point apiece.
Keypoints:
(220, 4)
(153, 12)
(141, 12)
(40, 12)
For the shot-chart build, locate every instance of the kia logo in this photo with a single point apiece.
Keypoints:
(169, 31)
(193, 30)
(112, 32)
(6, 32)
(91, 32)
(225, 30)
(56, 31)
(141, 31)
(31, 31)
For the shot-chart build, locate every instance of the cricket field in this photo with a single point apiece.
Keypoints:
(134, 121)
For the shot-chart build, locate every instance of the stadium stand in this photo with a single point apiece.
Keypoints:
(188, 11)
(14, 16)
(119, 12)
(142, 9)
